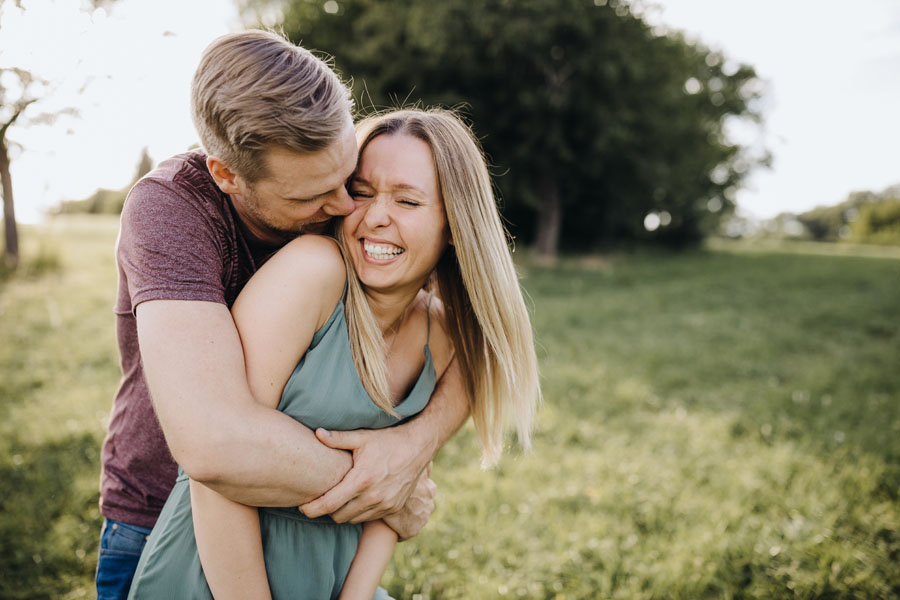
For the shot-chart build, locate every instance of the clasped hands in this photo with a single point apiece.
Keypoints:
(389, 480)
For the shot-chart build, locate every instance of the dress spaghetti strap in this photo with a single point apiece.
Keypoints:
(428, 318)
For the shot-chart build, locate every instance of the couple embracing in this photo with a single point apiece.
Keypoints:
(307, 311)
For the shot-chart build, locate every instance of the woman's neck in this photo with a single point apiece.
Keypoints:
(389, 309)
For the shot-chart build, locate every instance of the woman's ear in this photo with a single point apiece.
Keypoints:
(225, 178)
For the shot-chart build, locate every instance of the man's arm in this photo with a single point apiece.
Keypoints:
(194, 366)
(223, 438)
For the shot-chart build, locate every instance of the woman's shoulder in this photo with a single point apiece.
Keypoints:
(310, 256)
(308, 269)
(313, 247)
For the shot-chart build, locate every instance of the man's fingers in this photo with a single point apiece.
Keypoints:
(354, 511)
(366, 506)
(339, 440)
(415, 514)
(367, 515)
(332, 500)
(373, 488)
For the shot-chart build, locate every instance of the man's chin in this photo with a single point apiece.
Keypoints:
(318, 228)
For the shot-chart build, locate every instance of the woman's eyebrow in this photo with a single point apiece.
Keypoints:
(398, 186)
(407, 186)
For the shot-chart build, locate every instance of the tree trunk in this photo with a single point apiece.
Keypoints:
(549, 219)
(11, 248)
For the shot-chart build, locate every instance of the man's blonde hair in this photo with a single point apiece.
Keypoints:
(486, 315)
(255, 90)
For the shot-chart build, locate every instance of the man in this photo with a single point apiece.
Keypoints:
(279, 146)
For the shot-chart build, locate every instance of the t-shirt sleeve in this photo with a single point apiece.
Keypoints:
(168, 246)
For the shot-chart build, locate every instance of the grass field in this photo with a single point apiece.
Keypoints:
(718, 424)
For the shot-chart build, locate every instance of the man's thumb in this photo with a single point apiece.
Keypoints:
(342, 440)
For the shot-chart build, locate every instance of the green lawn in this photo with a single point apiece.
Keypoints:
(718, 424)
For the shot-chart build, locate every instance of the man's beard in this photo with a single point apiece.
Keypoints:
(285, 235)
(321, 227)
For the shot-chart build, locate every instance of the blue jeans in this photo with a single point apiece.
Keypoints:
(120, 548)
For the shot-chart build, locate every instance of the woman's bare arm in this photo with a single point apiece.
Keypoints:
(372, 557)
(276, 314)
(229, 545)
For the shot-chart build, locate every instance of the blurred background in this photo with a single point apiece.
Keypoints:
(705, 203)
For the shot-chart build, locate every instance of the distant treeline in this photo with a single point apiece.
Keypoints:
(104, 201)
(864, 217)
(101, 202)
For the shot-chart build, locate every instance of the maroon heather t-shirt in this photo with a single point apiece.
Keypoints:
(180, 239)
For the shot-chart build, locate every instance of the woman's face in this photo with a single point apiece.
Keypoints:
(398, 229)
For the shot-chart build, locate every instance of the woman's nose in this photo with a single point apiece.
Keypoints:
(377, 214)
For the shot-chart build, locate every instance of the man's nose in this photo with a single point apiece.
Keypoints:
(339, 204)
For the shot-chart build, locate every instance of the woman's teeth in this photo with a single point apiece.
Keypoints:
(381, 251)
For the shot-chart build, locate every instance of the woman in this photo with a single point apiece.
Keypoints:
(371, 339)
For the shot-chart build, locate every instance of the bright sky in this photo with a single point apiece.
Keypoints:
(137, 58)
(832, 71)
(833, 90)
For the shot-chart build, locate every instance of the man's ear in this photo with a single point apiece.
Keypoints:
(225, 178)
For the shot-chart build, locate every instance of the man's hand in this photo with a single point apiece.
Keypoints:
(386, 469)
(414, 515)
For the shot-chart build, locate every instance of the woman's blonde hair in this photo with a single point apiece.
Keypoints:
(254, 90)
(487, 319)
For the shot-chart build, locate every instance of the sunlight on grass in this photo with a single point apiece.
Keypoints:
(803, 247)
(717, 425)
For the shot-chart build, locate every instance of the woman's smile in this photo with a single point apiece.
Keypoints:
(380, 251)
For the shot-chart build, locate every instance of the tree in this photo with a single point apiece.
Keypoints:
(20, 89)
(144, 166)
(591, 120)
(11, 113)
(878, 223)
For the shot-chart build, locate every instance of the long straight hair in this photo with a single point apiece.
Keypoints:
(488, 322)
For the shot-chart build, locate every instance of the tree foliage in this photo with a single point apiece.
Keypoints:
(864, 217)
(592, 121)
(878, 223)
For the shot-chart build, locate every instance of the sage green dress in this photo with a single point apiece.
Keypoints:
(305, 558)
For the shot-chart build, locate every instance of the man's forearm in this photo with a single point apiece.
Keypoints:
(269, 459)
(261, 457)
(215, 429)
